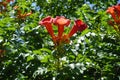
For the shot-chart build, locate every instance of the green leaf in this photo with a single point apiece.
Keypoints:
(37, 52)
(30, 57)
(85, 32)
(45, 59)
(11, 28)
(45, 49)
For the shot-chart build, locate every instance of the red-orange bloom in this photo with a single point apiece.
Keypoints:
(65, 39)
(20, 15)
(111, 11)
(61, 21)
(9, 0)
(2, 52)
(47, 22)
(78, 26)
(3, 4)
(28, 14)
(15, 7)
(115, 13)
(23, 16)
(117, 7)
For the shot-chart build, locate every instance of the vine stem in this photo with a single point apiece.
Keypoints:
(58, 64)
(58, 59)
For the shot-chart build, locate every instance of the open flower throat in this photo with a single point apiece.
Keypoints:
(61, 22)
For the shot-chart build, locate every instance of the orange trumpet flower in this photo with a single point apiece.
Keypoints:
(60, 21)
(9, 1)
(78, 26)
(47, 22)
(115, 13)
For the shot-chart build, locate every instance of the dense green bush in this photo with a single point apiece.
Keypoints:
(27, 51)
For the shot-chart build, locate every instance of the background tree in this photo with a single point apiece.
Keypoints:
(27, 51)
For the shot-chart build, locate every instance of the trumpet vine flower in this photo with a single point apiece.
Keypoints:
(78, 26)
(47, 22)
(115, 13)
(9, 0)
(61, 22)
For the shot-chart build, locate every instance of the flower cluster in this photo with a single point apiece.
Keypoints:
(114, 11)
(61, 22)
(21, 15)
(3, 5)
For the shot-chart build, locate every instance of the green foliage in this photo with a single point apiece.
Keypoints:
(93, 54)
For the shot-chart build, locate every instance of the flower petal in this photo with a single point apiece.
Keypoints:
(115, 13)
(45, 21)
(78, 26)
(61, 21)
